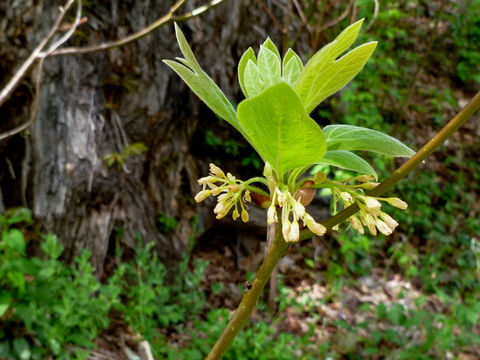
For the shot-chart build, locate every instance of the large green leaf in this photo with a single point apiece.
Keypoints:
(348, 137)
(347, 160)
(201, 84)
(324, 74)
(280, 129)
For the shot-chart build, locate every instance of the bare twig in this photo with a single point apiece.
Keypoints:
(38, 83)
(271, 16)
(302, 15)
(339, 18)
(21, 72)
(40, 54)
(375, 15)
(168, 18)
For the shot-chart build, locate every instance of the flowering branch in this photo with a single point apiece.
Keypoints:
(279, 246)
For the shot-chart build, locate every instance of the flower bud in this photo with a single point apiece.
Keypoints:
(246, 196)
(202, 195)
(272, 215)
(244, 215)
(235, 214)
(267, 170)
(356, 224)
(372, 203)
(347, 197)
(397, 203)
(285, 229)
(215, 170)
(370, 220)
(206, 179)
(383, 228)
(294, 232)
(298, 209)
(392, 224)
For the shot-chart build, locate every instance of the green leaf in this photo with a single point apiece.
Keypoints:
(347, 160)
(280, 129)
(5, 300)
(292, 67)
(201, 84)
(22, 348)
(14, 240)
(271, 46)
(247, 55)
(253, 81)
(269, 66)
(348, 137)
(324, 75)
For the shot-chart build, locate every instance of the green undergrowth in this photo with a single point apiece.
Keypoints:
(51, 310)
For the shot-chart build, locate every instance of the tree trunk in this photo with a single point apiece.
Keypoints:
(95, 105)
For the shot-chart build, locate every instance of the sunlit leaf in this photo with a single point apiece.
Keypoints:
(280, 129)
(348, 137)
(347, 160)
(292, 67)
(253, 82)
(247, 55)
(201, 84)
(269, 66)
(324, 74)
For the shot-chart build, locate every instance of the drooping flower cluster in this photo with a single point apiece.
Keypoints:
(370, 214)
(292, 212)
(230, 192)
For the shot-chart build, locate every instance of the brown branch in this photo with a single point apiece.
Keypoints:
(38, 83)
(272, 17)
(21, 72)
(168, 18)
(39, 54)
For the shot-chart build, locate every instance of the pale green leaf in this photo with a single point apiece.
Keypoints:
(247, 55)
(324, 74)
(201, 84)
(347, 160)
(271, 46)
(253, 82)
(280, 129)
(348, 137)
(186, 50)
(269, 66)
(292, 67)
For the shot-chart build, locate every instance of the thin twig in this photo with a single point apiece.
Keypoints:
(34, 108)
(38, 83)
(273, 17)
(168, 18)
(375, 15)
(302, 15)
(21, 72)
(338, 19)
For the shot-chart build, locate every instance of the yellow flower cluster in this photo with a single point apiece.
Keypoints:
(370, 214)
(292, 212)
(229, 193)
